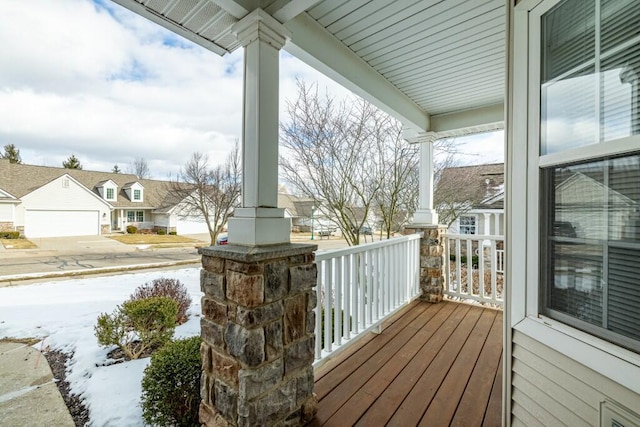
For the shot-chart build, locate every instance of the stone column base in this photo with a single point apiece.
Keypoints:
(432, 261)
(258, 335)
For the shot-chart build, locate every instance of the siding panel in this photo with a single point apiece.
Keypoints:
(543, 379)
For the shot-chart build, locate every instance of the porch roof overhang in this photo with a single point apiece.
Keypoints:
(436, 65)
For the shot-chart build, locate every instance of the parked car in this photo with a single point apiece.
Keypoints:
(365, 229)
(222, 239)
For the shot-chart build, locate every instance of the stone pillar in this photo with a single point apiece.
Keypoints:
(432, 260)
(259, 221)
(258, 335)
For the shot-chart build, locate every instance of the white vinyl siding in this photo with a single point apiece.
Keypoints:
(551, 389)
(49, 223)
(6, 212)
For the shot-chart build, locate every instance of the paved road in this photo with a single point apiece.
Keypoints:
(35, 265)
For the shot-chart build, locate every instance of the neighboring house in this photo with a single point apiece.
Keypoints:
(42, 201)
(473, 199)
(299, 209)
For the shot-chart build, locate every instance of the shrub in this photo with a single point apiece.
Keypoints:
(9, 234)
(162, 232)
(165, 287)
(132, 229)
(173, 233)
(138, 326)
(171, 385)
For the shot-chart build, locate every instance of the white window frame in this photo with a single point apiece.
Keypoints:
(106, 193)
(617, 363)
(138, 192)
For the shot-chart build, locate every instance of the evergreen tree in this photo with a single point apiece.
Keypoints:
(11, 153)
(72, 163)
(116, 169)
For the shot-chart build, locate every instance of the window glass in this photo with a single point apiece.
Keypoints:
(467, 224)
(140, 216)
(591, 246)
(136, 194)
(110, 192)
(131, 216)
(590, 73)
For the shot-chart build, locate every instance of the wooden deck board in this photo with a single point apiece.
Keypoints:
(446, 355)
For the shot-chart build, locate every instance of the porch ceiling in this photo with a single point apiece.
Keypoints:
(437, 65)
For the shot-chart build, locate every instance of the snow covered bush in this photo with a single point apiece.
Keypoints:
(171, 384)
(138, 326)
(165, 287)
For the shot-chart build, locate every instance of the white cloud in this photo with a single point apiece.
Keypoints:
(96, 80)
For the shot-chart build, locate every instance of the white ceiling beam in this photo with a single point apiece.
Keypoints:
(286, 10)
(311, 43)
(154, 17)
(489, 117)
(238, 8)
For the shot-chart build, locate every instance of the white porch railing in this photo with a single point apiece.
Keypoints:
(359, 286)
(474, 268)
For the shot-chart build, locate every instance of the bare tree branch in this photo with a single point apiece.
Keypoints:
(209, 194)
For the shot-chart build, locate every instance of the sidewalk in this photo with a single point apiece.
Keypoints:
(28, 393)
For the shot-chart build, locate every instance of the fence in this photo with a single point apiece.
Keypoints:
(359, 286)
(475, 268)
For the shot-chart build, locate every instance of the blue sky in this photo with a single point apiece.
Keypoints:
(93, 79)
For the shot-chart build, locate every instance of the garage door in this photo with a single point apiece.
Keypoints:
(191, 225)
(61, 223)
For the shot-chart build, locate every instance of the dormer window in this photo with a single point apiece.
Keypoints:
(137, 195)
(111, 193)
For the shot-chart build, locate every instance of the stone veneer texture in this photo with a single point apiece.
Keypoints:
(432, 259)
(258, 335)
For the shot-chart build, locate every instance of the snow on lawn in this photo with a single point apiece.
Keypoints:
(63, 314)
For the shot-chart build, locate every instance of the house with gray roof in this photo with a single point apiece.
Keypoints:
(42, 201)
(470, 199)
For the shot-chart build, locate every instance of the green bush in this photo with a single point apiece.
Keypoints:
(463, 260)
(9, 234)
(165, 287)
(138, 326)
(132, 229)
(162, 232)
(171, 384)
(173, 233)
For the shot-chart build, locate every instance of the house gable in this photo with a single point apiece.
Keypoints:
(134, 191)
(108, 190)
(64, 192)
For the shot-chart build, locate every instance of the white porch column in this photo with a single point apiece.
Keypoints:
(426, 214)
(487, 224)
(259, 221)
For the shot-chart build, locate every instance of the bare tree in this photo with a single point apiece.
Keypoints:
(397, 199)
(139, 168)
(329, 156)
(457, 189)
(208, 193)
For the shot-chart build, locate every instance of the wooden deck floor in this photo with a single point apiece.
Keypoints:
(432, 365)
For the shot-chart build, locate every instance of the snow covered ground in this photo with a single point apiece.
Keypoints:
(63, 315)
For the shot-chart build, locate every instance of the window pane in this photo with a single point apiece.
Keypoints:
(591, 245)
(131, 216)
(140, 216)
(619, 22)
(576, 285)
(568, 112)
(620, 103)
(568, 38)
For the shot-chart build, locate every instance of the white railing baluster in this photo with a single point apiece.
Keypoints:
(475, 274)
(358, 286)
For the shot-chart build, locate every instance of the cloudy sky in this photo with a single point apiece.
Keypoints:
(92, 79)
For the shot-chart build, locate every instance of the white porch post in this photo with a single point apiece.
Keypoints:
(426, 214)
(259, 221)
